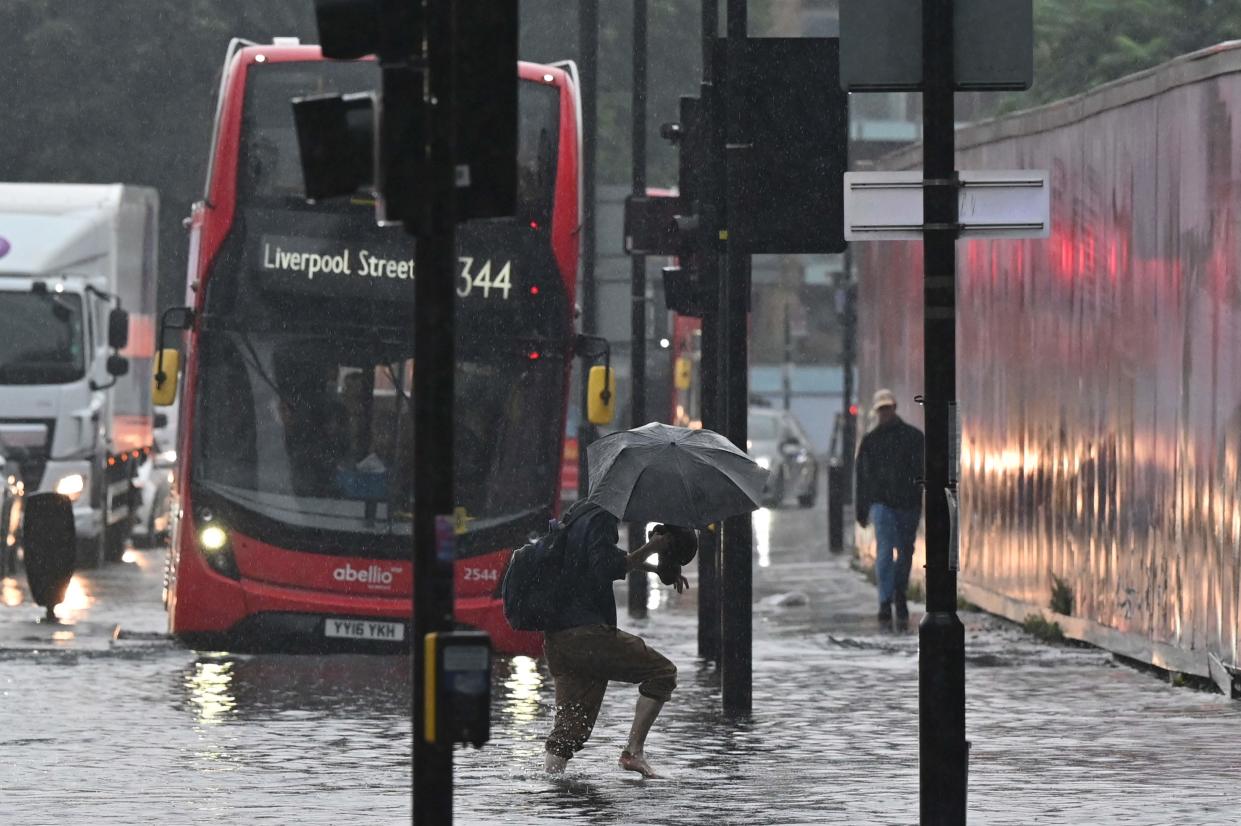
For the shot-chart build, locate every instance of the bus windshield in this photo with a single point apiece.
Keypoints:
(319, 432)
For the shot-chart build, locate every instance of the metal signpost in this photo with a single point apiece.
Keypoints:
(588, 48)
(638, 587)
(938, 47)
(762, 166)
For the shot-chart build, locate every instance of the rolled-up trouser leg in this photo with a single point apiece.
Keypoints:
(636, 662)
(582, 660)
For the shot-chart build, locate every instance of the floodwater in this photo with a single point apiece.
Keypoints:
(100, 731)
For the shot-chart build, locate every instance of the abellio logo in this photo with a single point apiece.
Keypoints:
(372, 575)
(5, 246)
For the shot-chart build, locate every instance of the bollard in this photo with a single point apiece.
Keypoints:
(965, 778)
(49, 539)
(835, 507)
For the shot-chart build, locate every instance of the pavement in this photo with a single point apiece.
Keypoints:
(109, 722)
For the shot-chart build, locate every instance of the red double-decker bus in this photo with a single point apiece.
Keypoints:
(294, 514)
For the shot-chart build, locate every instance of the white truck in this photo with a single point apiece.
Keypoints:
(78, 274)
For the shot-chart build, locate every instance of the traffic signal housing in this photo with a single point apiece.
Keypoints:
(376, 143)
(677, 225)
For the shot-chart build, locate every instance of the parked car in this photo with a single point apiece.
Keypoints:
(12, 492)
(152, 519)
(779, 444)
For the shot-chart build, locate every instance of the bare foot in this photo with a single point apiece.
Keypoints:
(636, 763)
(553, 764)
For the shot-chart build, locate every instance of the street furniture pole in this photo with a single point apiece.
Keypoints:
(941, 637)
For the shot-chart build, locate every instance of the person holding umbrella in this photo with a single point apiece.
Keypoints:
(655, 473)
(584, 647)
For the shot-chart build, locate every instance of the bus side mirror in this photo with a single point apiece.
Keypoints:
(118, 330)
(117, 366)
(601, 395)
(166, 369)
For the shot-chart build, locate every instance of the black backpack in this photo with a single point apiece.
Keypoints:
(534, 581)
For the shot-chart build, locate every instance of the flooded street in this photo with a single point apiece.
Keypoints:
(104, 730)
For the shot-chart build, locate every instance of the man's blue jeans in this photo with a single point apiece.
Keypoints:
(895, 530)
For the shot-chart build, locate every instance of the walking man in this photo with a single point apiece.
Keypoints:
(585, 649)
(889, 464)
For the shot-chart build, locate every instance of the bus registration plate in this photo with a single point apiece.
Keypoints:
(352, 629)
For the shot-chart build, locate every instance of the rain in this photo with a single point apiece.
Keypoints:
(688, 411)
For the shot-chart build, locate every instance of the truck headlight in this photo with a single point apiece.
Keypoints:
(763, 462)
(71, 486)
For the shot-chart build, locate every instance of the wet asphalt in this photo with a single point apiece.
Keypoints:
(105, 721)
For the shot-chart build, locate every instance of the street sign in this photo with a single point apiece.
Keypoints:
(881, 45)
(787, 135)
(887, 206)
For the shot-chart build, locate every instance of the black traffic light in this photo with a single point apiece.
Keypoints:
(378, 145)
(370, 142)
(336, 138)
(678, 225)
(389, 29)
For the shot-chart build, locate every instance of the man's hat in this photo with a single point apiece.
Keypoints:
(883, 398)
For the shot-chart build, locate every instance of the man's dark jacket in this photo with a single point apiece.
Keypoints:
(592, 563)
(889, 463)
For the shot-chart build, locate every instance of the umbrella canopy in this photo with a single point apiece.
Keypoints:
(661, 473)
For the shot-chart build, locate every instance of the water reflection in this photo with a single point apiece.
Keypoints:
(11, 593)
(236, 688)
(762, 536)
(78, 599)
(209, 686)
(522, 684)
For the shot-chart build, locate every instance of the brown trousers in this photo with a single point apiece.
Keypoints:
(582, 660)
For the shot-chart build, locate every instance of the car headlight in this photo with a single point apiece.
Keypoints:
(763, 462)
(71, 486)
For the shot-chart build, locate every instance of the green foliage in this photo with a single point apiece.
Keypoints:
(674, 68)
(1061, 596)
(124, 91)
(1037, 626)
(1080, 44)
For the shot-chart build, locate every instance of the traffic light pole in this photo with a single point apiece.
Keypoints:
(736, 573)
(588, 67)
(848, 359)
(943, 751)
(434, 298)
(709, 367)
(638, 585)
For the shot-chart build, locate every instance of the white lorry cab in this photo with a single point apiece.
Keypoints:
(78, 274)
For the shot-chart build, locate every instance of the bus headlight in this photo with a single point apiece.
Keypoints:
(71, 486)
(763, 462)
(213, 540)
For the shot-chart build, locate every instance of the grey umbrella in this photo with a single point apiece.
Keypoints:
(675, 475)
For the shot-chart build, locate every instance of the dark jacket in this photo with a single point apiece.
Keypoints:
(592, 563)
(889, 463)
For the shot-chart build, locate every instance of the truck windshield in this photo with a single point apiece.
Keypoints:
(41, 339)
